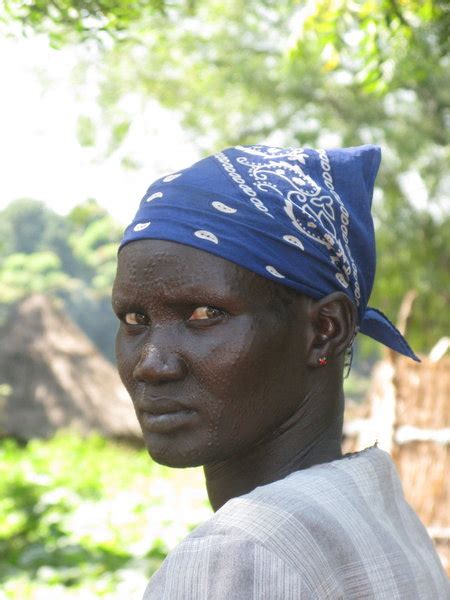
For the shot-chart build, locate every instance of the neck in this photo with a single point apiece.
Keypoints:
(306, 439)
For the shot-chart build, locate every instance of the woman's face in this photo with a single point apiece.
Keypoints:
(212, 355)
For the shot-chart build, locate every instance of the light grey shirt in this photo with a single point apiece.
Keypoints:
(333, 531)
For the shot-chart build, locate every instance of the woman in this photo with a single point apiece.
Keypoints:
(241, 284)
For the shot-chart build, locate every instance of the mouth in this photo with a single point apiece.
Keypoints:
(164, 422)
(163, 415)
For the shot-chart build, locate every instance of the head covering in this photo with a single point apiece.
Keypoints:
(298, 216)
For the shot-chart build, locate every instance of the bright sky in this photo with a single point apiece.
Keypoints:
(39, 152)
(42, 159)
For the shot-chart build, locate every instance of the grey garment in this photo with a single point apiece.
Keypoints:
(337, 530)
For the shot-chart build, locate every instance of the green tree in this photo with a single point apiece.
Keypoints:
(27, 226)
(94, 242)
(416, 256)
(306, 73)
(71, 257)
(24, 274)
(67, 21)
(322, 72)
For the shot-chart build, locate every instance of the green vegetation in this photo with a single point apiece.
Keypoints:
(72, 257)
(318, 73)
(88, 518)
(286, 72)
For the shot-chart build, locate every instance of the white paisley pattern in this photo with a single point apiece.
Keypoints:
(315, 211)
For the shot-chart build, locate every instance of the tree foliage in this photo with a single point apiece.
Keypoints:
(322, 72)
(24, 274)
(72, 257)
(68, 21)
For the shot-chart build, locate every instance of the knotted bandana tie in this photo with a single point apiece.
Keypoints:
(301, 217)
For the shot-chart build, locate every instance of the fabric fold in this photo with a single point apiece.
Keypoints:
(377, 326)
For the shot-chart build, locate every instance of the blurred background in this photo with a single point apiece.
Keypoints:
(100, 98)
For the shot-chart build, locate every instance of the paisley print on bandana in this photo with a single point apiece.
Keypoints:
(298, 216)
(317, 212)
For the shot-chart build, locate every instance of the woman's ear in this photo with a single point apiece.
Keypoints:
(333, 323)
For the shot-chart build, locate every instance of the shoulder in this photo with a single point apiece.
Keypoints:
(270, 538)
(225, 567)
(320, 532)
(312, 507)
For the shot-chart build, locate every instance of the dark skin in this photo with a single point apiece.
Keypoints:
(223, 367)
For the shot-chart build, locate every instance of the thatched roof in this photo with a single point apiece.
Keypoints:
(55, 377)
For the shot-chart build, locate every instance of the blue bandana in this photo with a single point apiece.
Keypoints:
(297, 216)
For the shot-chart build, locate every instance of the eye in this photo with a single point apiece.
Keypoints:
(202, 313)
(135, 319)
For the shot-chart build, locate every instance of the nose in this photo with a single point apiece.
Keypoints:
(159, 363)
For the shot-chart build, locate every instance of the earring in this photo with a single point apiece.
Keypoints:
(323, 360)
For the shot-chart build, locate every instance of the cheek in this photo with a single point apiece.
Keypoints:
(127, 356)
(248, 377)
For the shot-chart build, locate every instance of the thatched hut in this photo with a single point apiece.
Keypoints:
(53, 377)
(410, 418)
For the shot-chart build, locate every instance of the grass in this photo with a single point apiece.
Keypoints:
(89, 518)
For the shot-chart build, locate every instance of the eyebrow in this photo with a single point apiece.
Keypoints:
(178, 296)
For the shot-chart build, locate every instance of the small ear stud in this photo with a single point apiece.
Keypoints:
(323, 360)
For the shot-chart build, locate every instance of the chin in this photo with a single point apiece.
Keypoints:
(174, 461)
(170, 454)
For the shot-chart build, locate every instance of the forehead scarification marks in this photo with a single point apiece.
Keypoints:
(132, 271)
(137, 275)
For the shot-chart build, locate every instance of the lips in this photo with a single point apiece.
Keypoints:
(160, 406)
(163, 415)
